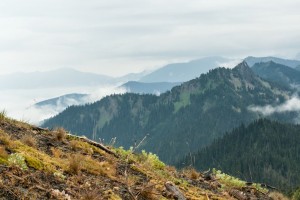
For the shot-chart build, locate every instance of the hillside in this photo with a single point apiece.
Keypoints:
(277, 73)
(148, 88)
(188, 117)
(264, 151)
(180, 72)
(37, 163)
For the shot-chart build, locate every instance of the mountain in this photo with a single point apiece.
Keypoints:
(132, 76)
(64, 77)
(182, 120)
(265, 151)
(62, 102)
(148, 88)
(278, 73)
(37, 163)
(180, 72)
(290, 63)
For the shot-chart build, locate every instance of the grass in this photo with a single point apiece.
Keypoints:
(3, 152)
(60, 134)
(29, 140)
(191, 173)
(3, 115)
(57, 153)
(75, 164)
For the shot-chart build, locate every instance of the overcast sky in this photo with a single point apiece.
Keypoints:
(116, 37)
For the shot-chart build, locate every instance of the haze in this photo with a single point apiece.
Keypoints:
(117, 37)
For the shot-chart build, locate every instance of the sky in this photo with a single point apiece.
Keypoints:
(116, 37)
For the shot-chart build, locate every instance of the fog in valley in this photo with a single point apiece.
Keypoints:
(19, 104)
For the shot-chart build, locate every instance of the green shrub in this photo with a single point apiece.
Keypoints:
(227, 180)
(152, 160)
(17, 160)
(296, 195)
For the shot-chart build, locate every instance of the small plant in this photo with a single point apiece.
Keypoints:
(296, 195)
(228, 180)
(29, 140)
(152, 160)
(17, 160)
(3, 115)
(60, 134)
(75, 164)
(59, 175)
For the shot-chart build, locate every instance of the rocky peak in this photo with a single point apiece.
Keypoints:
(244, 71)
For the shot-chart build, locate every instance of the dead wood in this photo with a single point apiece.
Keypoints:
(96, 144)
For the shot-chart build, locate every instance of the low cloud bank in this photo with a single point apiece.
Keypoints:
(230, 64)
(20, 104)
(291, 105)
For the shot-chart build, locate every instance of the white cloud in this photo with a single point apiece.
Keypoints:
(290, 105)
(19, 104)
(116, 37)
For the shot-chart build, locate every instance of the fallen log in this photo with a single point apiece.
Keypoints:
(96, 144)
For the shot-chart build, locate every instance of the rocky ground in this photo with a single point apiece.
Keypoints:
(39, 164)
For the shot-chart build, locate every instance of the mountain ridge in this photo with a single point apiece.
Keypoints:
(188, 117)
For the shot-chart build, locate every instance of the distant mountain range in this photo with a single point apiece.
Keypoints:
(148, 88)
(181, 72)
(265, 151)
(188, 117)
(63, 77)
(287, 62)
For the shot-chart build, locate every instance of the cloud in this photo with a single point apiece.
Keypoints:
(115, 37)
(291, 105)
(230, 64)
(19, 104)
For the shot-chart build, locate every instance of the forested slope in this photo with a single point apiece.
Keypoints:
(188, 117)
(265, 151)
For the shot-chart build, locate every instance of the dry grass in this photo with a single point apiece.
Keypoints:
(3, 153)
(57, 153)
(75, 163)
(29, 140)
(148, 192)
(73, 145)
(6, 139)
(60, 134)
(277, 196)
(191, 173)
(79, 145)
(90, 195)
